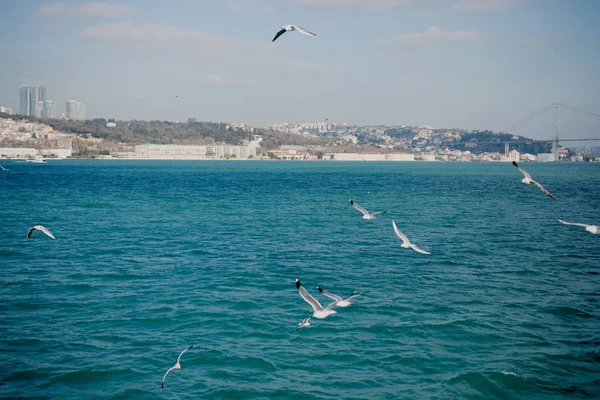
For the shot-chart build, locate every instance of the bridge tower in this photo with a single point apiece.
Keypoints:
(555, 141)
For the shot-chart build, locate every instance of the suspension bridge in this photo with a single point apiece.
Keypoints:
(555, 140)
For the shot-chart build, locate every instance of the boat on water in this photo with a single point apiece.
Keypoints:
(36, 159)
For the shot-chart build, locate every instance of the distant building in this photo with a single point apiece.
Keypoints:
(17, 152)
(56, 152)
(49, 110)
(75, 110)
(38, 109)
(111, 124)
(545, 157)
(5, 110)
(370, 156)
(192, 152)
(29, 96)
(192, 120)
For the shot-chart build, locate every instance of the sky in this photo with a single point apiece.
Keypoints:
(470, 64)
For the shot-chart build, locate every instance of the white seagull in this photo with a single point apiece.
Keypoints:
(595, 229)
(529, 180)
(39, 228)
(405, 242)
(366, 214)
(292, 28)
(338, 300)
(320, 312)
(3, 169)
(176, 366)
(303, 323)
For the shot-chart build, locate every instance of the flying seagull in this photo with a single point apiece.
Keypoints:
(292, 28)
(176, 366)
(595, 229)
(320, 312)
(529, 180)
(366, 214)
(405, 242)
(3, 169)
(303, 323)
(338, 300)
(39, 228)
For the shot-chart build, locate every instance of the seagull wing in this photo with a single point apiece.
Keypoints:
(543, 189)
(281, 32)
(302, 30)
(29, 232)
(180, 354)
(162, 385)
(572, 223)
(308, 298)
(522, 170)
(417, 248)
(47, 232)
(380, 212)
(359, 208)
(330, 295)
(400, 234)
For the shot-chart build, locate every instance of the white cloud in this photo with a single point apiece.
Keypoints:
(372, 5)
(484, 5)
(386, 5)
(160, 37)
(432, 36)
(99, 10)
(235, 7)
(213, 79)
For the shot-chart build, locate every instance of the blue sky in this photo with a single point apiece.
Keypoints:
(473, 64)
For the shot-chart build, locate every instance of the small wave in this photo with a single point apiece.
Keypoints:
(26, 375)
(567, 312)
(86, 376)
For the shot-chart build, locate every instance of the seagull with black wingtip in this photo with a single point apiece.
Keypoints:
(297, 28)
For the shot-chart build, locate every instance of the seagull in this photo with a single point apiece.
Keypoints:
(303, 323)
(39, 228)
(338, 300)
(176, 366)
(595, 229)
(292, 28)
(320, 312)
(529, 180)
(3, 169)
(405, 242)
(366, 214)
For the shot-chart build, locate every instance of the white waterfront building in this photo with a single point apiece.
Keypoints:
(192, 152)
(371, 156)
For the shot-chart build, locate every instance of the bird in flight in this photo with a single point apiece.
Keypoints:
(319, 311)
(39, 228)
(338, 300)
(595, 229)
(529, 180)
(286, 28)
(366, 214)
(176, 366)
(405, 242)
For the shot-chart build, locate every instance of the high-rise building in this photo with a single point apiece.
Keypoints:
(38, 110)
(192, 120)
(49, 109)
(81, 111)
(75, 110)
(24, 100)
(29, 96)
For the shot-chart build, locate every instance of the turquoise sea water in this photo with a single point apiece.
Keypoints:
(151, 257)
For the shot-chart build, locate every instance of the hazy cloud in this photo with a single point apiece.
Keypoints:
(98, 10)
(484, 5)
(212, 79)
(160, 37)
(432, 36)
(235, 7)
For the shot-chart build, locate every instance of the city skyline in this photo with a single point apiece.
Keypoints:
(458, 64)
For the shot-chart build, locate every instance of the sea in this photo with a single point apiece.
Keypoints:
(151, 257)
